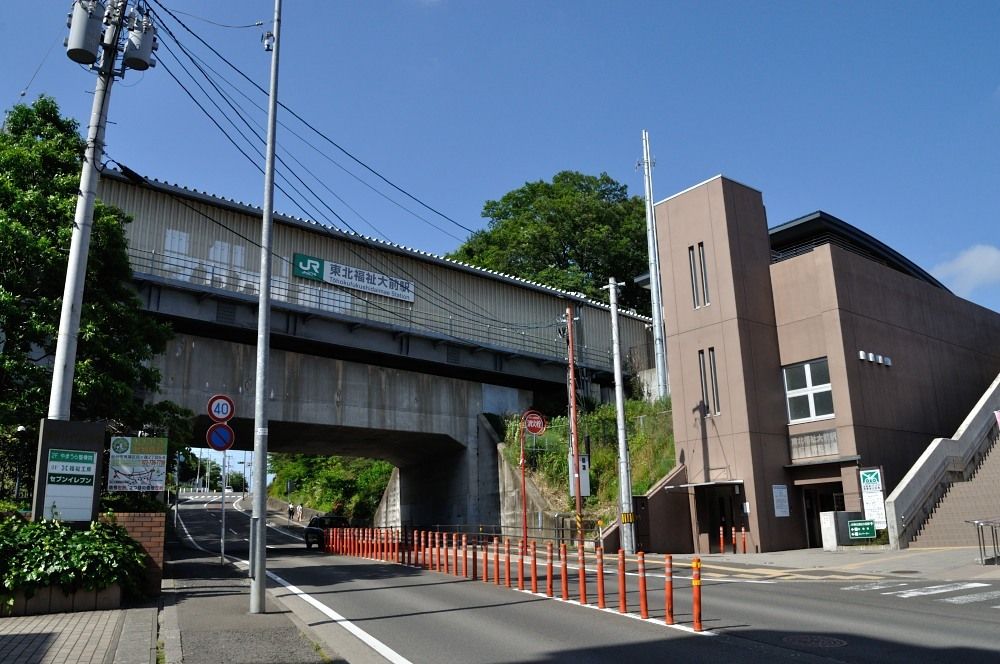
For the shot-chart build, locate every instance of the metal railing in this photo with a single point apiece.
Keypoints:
(945, 461)
(335, 301)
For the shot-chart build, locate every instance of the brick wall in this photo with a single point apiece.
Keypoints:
(147, 528)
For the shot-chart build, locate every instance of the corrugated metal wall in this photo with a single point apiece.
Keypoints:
(211, 242)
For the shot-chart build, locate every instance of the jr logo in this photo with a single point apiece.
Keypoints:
(308, 267)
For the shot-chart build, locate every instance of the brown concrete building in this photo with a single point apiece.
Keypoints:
(799, 356)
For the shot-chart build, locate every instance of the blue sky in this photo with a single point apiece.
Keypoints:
(886, 115)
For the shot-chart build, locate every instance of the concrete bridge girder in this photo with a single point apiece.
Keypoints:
(428, 426)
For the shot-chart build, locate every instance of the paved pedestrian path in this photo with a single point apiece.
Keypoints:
(84, 638)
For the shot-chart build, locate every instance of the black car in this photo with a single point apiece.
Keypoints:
(313, 533)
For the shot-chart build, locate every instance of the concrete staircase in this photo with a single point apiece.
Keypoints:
(976, 498)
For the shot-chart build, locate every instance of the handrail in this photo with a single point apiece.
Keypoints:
(912, 501)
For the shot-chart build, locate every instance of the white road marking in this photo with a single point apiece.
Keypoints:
(359, 633)
(974, 597)
(876, 585)
(936, 590)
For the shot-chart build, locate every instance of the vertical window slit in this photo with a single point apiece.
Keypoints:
(715, 380)
(704, 273)
(694, 278)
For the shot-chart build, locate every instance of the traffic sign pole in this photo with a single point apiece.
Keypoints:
(534, 422)
(222, 533)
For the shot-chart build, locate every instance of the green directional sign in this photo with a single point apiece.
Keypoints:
(861, 529)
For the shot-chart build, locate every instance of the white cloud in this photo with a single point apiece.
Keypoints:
(977, 266)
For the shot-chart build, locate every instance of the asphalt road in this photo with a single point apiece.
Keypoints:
(423, 616)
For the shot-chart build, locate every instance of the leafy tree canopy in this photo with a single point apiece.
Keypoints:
(572, 233)
(40, 157)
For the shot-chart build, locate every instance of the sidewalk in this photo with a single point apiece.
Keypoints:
(936, 564)
(206, 619)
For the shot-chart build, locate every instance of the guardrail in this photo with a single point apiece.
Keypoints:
(944, 462)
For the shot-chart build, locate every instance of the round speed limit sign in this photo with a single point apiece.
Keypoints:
(221, 408)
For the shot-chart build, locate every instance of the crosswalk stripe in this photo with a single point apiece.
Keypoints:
(936, 590)
(974, 597)
(877, 585)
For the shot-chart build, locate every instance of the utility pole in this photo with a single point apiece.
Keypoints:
(572, 425)
(659, 349)
(94, 35)
(627, 519)
(258, 520)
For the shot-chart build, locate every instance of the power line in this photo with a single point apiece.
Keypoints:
(314, 129)
(477, 314)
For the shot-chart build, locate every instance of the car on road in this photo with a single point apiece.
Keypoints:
(229, 489)
(313, 533)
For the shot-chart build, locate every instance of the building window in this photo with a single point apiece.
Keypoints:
(714, 373)
(807, 391)
(705, 407)
(694, 278)
(709, 383)
(699, 276)
(704, 273)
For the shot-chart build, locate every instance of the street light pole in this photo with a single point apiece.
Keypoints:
(626, 521)
(258, 533)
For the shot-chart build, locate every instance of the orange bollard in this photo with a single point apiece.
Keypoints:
(743, 529)
(548, 569)
(475, 557)
(581, 561)
(521, 552)
(441, 558)
(734, 539)
(534, 567)
(722, 539)
(622, 599)
(643, 602)
(454, 553)
(668, 591)
(696, 593)
(496, 560)
(600, 578)
(563, 571)
(417, 560)
(465, 556)
(520, 564)
(506, 562)
(486, 563)
(447, 553)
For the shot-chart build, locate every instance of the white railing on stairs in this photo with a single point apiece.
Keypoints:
(945, 461)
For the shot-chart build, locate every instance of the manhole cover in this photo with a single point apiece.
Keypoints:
(813, 641)
(904, 571)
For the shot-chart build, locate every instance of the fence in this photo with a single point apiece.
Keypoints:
(517, 564)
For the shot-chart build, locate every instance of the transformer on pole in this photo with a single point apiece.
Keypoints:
(96, 35)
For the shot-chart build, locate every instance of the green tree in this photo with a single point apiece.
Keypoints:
(350, 487)
(572, 233)
(40, 157)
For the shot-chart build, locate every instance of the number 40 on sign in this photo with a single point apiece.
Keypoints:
(221, 408)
